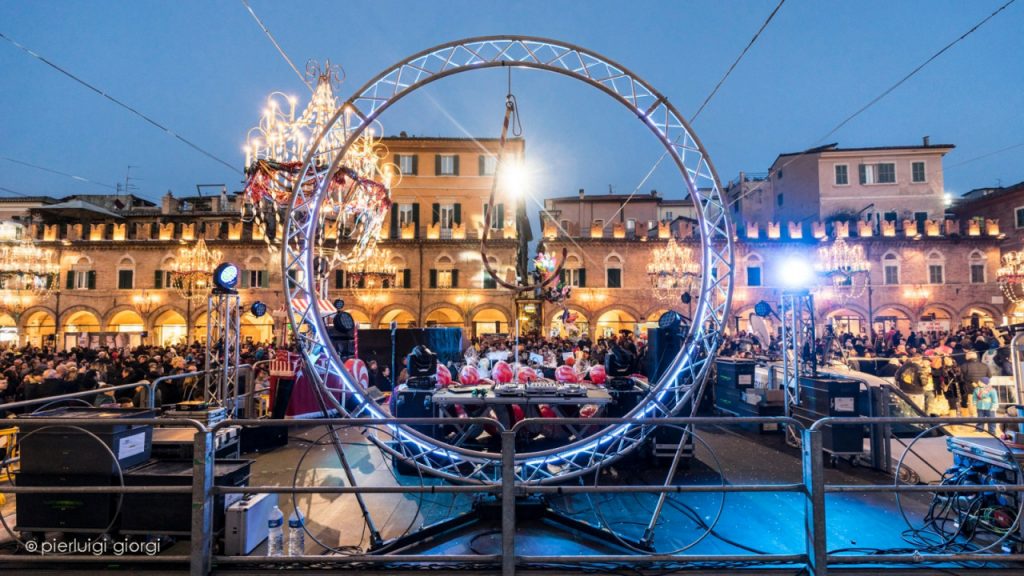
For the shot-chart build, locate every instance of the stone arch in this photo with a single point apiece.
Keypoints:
(106, 318)
(910, 314)
(624, 307)
(949, 310)
(980, 306)
(485, 305)
(446, 308)
(557, 310)
(30, 312)
(441, 306)
(836, 307)
(71, 310)
(376, 319)
(159, 311)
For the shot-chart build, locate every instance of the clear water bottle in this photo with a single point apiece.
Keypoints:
(296, 534)
(275, 536)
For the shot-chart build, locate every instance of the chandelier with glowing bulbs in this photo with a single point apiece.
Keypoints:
(374, 272)
(846, 268)
(358, 196)
(28, 269)
(672, 270)
(192, 272)
(1010, 276)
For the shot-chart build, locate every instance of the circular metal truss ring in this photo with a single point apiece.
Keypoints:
(689, 369)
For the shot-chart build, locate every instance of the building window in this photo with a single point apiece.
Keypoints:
(254, 279)
(81, 276)
(125, 274)
(890, 270)
(631, 228)
(498, 221)
(405, 215)
(977, 263)
(573, 274)
(487, 164)
(936, 268)
(407, 164)
(917, 172)
(753, 270)
(613, 272)
(444, 275)
(447, 164)
(1019, 217)
(778, 200)
(881, 173)
(489, 282)
(842, 174)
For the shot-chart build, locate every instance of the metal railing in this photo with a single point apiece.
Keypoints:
(812, 489)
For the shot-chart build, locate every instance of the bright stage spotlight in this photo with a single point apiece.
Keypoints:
(515, 178)
(796, 273)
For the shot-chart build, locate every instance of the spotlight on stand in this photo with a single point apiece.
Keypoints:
(225, 279)
(670, 319)
(422, 366)
(763, 309)
(338, 303)
(796, 274)
(258, 309)
(343, 334)
(618, 365)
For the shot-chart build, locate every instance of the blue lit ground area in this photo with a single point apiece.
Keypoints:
(749, 523)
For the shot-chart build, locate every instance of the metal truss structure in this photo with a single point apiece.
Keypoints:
(223, 314)
(304, 225)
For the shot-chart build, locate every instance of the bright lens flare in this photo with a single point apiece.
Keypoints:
(796, 273)
(515, 178)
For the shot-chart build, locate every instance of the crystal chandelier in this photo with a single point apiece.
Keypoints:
(25, 267)
(374, 272)
(846, 267)
(1011, 275)
(192, 274)
(672, 270)
(360, 192)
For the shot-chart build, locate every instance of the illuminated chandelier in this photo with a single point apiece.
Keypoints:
(25, 267)
(374, 272)
(1011, 276)
(846, 267)
(192, 274)
(359, 193)
(672, 270)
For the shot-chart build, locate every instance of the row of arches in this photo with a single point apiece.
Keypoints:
(932, 317)
(164, 326)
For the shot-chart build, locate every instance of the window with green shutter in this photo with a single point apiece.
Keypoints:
(125, 279)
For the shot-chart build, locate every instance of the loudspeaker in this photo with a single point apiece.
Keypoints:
(411, 403)
(623, 401)
(344, 341)
(663, 344)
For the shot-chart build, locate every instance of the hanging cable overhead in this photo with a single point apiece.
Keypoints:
(52, 171)
(127, 107)
(931, 58)
(280, 50)
(737, 61)
(693, 118)
(878, 98)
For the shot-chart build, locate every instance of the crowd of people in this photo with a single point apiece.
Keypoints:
(31, 372)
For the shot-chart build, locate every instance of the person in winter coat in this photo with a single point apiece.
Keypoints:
(908, 378)
(956, 391)
(986, 400)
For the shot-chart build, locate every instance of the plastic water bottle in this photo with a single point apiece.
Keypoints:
(296, 534)
(275, 536)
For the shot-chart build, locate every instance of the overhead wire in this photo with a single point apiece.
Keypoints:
(52, 171)
(280, 50)
(876, 99)
(119, 102)
(704, 104)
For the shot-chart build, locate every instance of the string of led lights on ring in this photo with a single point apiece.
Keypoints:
(668, 395)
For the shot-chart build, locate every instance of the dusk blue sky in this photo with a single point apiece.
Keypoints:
(205, 68)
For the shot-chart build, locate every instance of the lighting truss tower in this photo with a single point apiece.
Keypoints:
(223, 312)
(797, 313)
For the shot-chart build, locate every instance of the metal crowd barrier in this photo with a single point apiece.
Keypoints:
(815, 558)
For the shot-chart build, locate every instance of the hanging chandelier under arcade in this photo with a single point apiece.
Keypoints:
(1010, 276)
(192, 273)
(25, 267)
(672, 270)
(846, 268)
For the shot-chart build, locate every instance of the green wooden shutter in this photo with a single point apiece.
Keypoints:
(339, 279)
(433, 278)
(264, 279)
(158, 279)
(437, 164)
(415, 164)
(480, 165)
(91, 280)
(416, 219)
(458, 214)
(455, 163)
(435, 209)
(455, 278)
(245, 278)
(395, 232)
(407, 278)
(69, 283)
(583, 277)
(500, 216)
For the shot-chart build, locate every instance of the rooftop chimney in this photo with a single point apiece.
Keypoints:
(654, 193)
(926, 141)
(581, 193)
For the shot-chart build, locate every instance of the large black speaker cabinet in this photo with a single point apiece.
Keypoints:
(662, 346)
